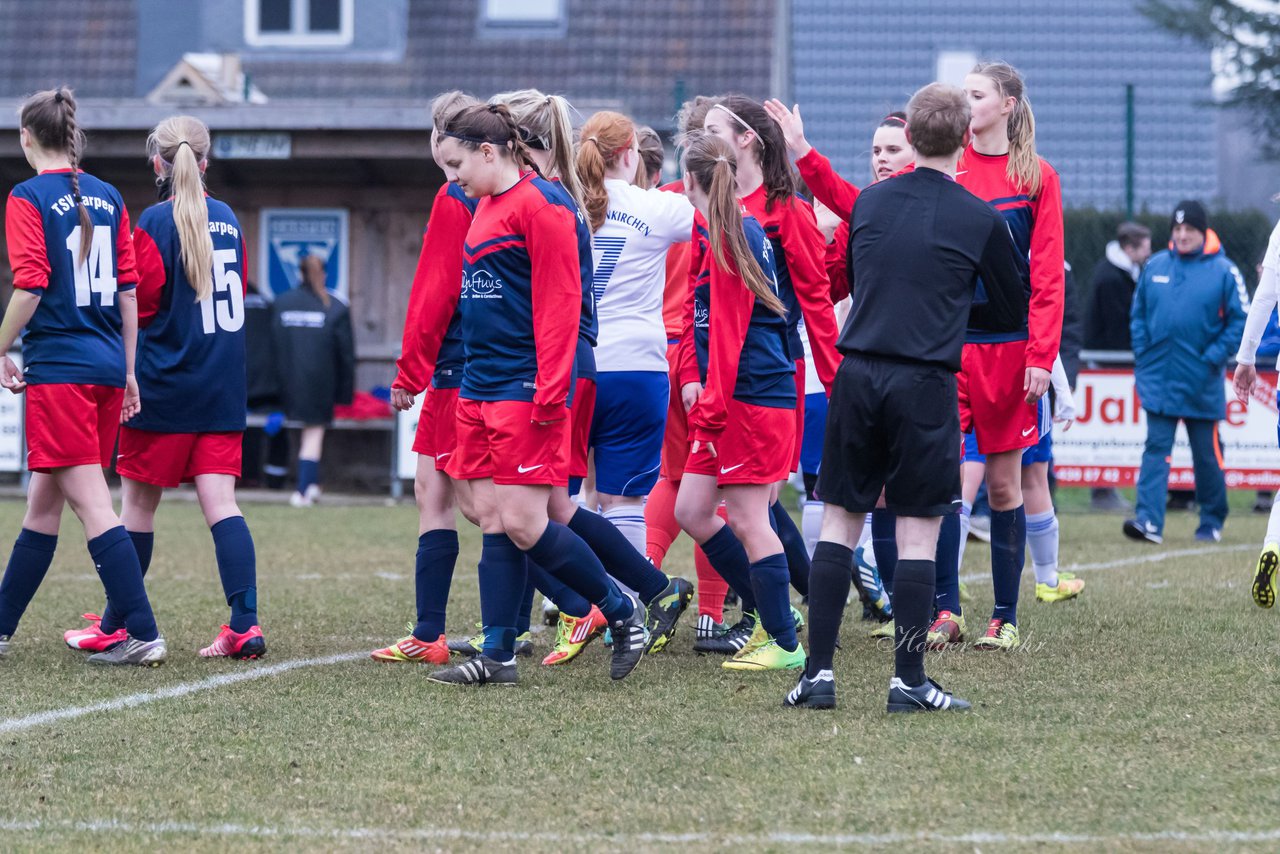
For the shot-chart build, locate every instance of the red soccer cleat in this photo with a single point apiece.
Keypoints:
(91, 638)
(229, 644)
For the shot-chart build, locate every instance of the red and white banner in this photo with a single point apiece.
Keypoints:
(1104, 446)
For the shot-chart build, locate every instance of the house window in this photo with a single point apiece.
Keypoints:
(522, 16)
(955, 65)
(298, 23)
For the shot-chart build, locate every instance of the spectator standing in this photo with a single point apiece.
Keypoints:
(1107, 320)
(315, 357)
(1187, 317)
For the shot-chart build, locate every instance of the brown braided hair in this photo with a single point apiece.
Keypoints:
(50, 117)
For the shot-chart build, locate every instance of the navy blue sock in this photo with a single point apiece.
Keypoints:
(525, 614)
(238, 568)
(884, 542)
(565, 598)
(619, 557)
(117, 564)
(947, 560)
(792, 546)
(432, 576)
(726, 555)
(562, 553)
(308, 474)
(144, 544)
(502, 579)
(771, 583)
(28, 562)
(1008, 553)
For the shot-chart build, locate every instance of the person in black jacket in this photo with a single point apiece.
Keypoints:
(1107, 321)
(918, 244)
(1111, 290)
(263, 397)
(315, 358)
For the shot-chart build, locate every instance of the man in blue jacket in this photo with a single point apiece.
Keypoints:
(1187, 318)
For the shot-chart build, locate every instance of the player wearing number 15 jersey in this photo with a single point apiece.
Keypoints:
(191, 370)
(73, 277)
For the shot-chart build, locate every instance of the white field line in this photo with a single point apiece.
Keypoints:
(172, 828)
(1154, 557)
(182, 689)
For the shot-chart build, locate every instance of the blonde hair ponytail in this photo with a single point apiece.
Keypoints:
(1024, 163)
(182, 144)
(711, 162)
(545, 120)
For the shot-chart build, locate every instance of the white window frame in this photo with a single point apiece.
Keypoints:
(299, 36)
(497, 22)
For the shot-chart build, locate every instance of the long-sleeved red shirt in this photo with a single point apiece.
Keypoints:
(800, 252)
(1035, 222)
(432, 341)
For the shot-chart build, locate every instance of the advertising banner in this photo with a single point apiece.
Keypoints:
(1104, 446)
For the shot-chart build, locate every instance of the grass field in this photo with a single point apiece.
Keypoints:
(1139, 717)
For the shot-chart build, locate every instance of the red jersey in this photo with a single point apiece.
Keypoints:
(826, 184)
(432, 342)
(799, 253)
(677, 289)
(1036, 226)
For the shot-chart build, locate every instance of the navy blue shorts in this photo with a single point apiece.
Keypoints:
(627, 430)
(815, 429)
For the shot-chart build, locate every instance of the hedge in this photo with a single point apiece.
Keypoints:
(1244, 235)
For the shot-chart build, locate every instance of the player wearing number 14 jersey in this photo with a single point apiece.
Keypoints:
(73, 277)
(191, 372)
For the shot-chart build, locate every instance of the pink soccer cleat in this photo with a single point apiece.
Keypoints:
(91, 638)
(229, 644)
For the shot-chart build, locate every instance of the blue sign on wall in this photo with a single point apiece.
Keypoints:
(290, 234)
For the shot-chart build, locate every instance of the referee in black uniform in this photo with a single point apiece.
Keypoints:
(918, 245)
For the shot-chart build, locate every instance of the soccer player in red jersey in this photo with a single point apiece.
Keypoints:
(74, 279)
(521, 317)
(743, 419)
(1004, 376)
(767, 191)
(191, 370)
(430, 363)
(545, 121)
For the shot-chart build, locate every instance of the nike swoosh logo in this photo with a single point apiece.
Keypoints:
(731, 468)
(1028, 432)
(442, 456)
(524, 470)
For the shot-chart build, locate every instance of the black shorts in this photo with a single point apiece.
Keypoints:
(892, 426)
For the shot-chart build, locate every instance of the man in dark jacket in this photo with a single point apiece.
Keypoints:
(1187, 318)
(1107, 321)
(1111, 292)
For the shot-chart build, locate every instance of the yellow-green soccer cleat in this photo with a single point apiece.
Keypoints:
(1264, 581)
(1001, 634)
(769, 656)
(759, 637)
(1069, 587)
(884, 630)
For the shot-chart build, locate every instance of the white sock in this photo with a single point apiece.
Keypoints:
(1042, 542)
(811, 525)
(629, 519)
(1273, 525)
(865, 537)
(966, 510)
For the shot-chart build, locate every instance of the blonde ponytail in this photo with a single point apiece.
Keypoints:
(182, 144)
(545, 119)
(1024, 163)
(711, 162)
